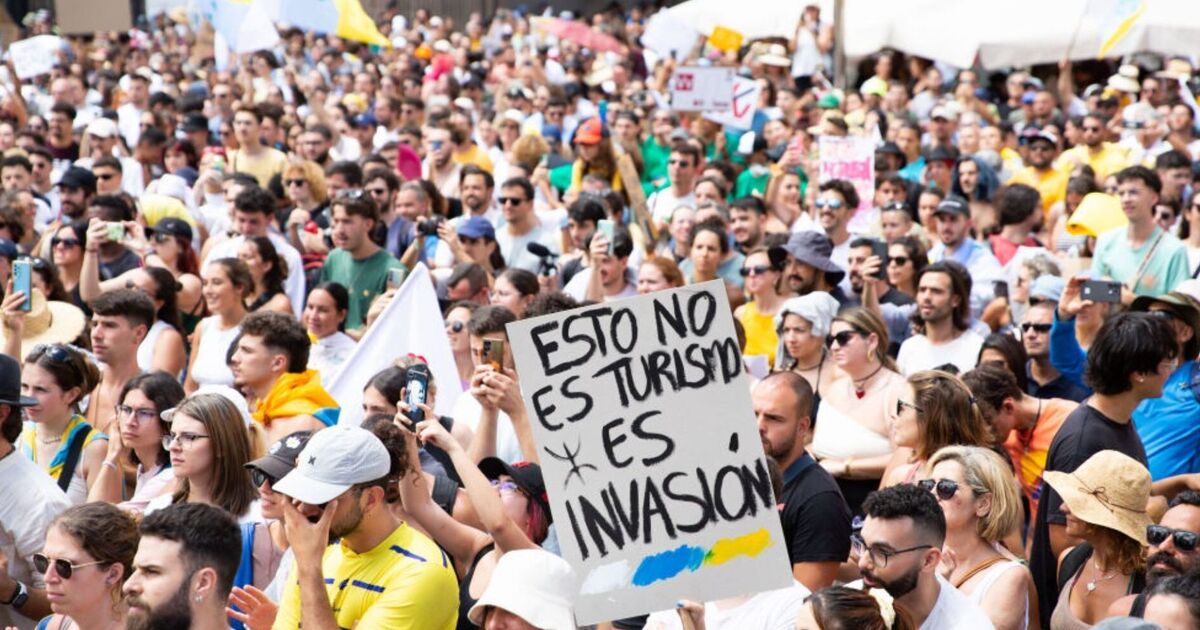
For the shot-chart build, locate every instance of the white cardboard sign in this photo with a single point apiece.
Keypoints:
(35, 56)
(653, 464)
(743, 103)
(701, 89)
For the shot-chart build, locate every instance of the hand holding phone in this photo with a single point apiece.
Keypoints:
(395, 277)
(608, 229)
(416, 391)
(493, 353)
(22, 274)
(1101, 291)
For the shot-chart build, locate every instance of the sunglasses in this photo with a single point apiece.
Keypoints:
(351, 194)
(296, 182)
(511, 201)
(1040, 147)
(62, 567)
(69, 243)
(841, 339)
(1157, 535)
(1163, 314)
(756, 270)
(258, 478)
(1041, 328)
(900, 405)
(944, 488)
(54, 352)
(832, 204)
(899, 261)
(454, 327)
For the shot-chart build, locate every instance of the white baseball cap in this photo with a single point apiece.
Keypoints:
(533, 584)
(102, 128)
(332, 462)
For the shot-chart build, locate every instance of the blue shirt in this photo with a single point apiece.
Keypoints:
(1169, 429)
(1065, 354)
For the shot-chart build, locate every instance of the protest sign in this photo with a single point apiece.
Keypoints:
(35, 56)
(725, 39)
(89, 16)
(668, 37)
(700, 89)
(653, 464)
(851, 159)
(743, 103)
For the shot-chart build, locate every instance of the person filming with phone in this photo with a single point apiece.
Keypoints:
(110, 224)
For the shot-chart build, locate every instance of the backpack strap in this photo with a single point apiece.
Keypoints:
(74, 449)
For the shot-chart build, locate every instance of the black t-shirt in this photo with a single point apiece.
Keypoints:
(1084, 433)
(816, 520)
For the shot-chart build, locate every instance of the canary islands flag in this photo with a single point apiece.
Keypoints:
(344, 18)
(1119, 17)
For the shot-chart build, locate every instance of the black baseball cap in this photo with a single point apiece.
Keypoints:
(527, 476)
(195, 122)
(78, 177)
(953, 205)
(281, 457)
(173, 226)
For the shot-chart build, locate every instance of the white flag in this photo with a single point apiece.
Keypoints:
(411, 324)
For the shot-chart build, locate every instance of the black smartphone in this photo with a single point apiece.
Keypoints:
(880, 249)
(416, 391)
(1101, 291)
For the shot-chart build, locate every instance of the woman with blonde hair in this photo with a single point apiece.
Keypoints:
(657, 273)
(977, 492)
(87, 557)
(851, 437)
(304, 183)
(935, 410)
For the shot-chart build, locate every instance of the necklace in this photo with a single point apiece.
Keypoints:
(860, 389)
(801, 368)
(1100, 577)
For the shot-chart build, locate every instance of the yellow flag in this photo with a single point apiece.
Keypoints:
(1125, 15)
(355, 24)
(725, 39)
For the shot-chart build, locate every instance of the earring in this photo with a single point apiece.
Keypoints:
(1141, 379)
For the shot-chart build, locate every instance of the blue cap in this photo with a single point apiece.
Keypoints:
(8, 249)
(364, 120)
(1047, 287)
(477, 227)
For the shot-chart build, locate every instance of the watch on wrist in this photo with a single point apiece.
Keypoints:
(20, 595)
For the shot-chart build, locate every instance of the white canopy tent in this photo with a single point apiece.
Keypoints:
(1011, 33)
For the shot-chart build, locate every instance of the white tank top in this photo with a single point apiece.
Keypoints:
(145, 352)
(210, 367)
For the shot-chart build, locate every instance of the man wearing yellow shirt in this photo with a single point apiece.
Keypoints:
(381, 573)
(1105, 158)
(253, 156)
(1050, 183)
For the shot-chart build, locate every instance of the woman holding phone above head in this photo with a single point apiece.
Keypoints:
(325, 320)
(851, 437)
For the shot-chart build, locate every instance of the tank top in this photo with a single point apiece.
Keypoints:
(465, 601)
(989, 577)
(145, 351)
(210, 367)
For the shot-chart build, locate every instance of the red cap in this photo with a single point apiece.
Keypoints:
(589, 132)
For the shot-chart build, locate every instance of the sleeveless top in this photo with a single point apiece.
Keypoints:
(989, 577)
(77, 490)
(839, 435)
(145, 351)
(210, 367)
(761, 338)
(465, 601)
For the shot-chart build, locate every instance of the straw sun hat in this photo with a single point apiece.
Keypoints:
(1110, 489)
(49, 322)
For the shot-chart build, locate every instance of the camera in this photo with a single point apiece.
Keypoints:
(429, 227)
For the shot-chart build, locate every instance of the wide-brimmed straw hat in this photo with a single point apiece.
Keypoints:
(49, 322)
(1110, 489)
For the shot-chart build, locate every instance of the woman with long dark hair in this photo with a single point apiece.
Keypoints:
(172, 242)
(138, 441)
(269, 271)
(935, 410)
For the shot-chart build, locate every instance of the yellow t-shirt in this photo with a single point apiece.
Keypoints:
(761, 338)
(1107, 161)
(262, 167)
(1051, 185)
(407, 581)
(474, 155)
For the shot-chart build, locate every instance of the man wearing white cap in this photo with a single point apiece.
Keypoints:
(102, 136)
(381, 573)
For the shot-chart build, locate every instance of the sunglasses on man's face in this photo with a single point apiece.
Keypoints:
(1183, 539)
(1041, 328)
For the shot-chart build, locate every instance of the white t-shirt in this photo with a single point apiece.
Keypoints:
(29, 500)
(917, 353)
(953, 611)
(577, 287)
(664, 202)
(513, 248)
(293, 284)
(772, 610)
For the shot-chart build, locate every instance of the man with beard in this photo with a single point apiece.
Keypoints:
(476, 186)
(314, 144)
(1105, 158)
(392, 575)
(953, 220)
(438, 167)
(861, 249)
(941, 327)
(184, 568)
(807, 267)
(1172, 550)
(835, 204)
(747, 216)
(270, 366)
(357, 263)
(899, 550)
(816, 520)
(76, 188)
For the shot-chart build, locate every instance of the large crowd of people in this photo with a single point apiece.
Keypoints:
(979, 384)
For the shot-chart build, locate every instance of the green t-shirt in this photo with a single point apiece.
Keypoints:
(747, 184)
(363, 279)
(654, 160)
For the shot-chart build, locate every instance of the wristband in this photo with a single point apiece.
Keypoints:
(20, 596)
